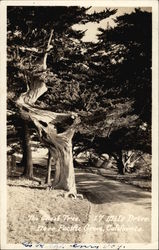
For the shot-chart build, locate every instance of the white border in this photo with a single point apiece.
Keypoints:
(100, 3)
(3, 99)
(97, 3)
(155, 135)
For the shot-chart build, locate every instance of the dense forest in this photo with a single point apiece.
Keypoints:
(78, 98)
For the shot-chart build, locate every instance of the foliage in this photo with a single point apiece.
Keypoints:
(130, 48)
(108, 84)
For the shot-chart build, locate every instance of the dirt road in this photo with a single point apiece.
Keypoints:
(119, 213)
(111, 212)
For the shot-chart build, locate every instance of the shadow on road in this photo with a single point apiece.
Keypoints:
(100, 190)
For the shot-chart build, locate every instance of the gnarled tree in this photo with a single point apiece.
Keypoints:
(28, 39)
(59, 143)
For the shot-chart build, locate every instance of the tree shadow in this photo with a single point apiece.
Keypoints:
(40, 171)
(100, 190)
(97, 189)
(27, 186)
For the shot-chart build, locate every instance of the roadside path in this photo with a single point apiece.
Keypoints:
(129, 206)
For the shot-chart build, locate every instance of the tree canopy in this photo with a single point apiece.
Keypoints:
(108, 84)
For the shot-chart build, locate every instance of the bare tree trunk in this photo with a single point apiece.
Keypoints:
(49, 163)
(45, 121)
(60, 148)
(65, 178)
(121, 168)
(57, 174)
(27, 154)
(119, 159)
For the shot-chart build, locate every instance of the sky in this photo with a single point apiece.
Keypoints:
(92, 28)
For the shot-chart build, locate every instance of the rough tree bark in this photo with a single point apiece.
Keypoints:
(59, 144)
(125, 164)
(120, 165)
(119, 159)
(129, 164)
(27, 154)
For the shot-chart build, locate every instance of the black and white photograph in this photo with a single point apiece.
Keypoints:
(81, 111)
